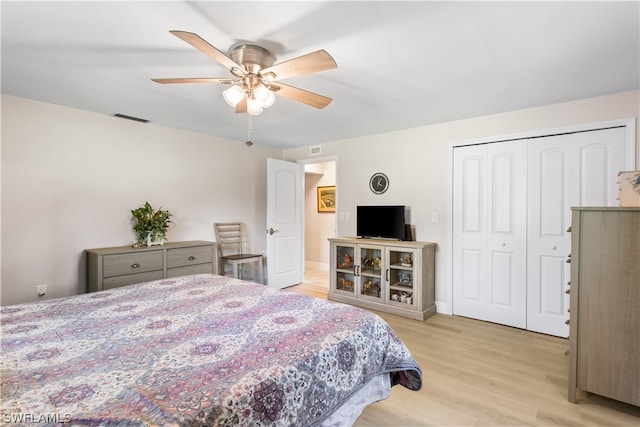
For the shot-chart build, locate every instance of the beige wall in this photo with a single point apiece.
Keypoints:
(416, 162)
(70, 179)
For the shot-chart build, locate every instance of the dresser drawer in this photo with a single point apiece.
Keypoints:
(191, 269)
(183, 257)
(130, 279)
(132, 263)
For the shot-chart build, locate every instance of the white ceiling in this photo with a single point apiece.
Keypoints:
(400, 64)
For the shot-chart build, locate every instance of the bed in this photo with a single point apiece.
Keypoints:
(197, 350)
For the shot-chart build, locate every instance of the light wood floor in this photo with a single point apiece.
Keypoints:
(482, 374)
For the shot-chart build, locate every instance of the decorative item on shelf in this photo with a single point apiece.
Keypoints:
(346, 285)
(347, 261)
(371, 264)
(151, 225)
(367, 263)
(407, 261)
(405, 278)
(629, 188)
(406, 298)
(376, 288)
(371, 288)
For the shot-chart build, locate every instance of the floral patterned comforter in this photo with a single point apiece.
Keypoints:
(194, 350)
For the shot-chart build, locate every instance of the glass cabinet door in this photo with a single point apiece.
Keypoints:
(400, 276)
(370, 275)
(345, 271)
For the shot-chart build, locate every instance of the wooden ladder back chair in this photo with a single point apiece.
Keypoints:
(231, 242)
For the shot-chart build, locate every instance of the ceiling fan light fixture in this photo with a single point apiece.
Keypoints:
(269, 100)
(233, 95)
(264, 96)
(254, 107)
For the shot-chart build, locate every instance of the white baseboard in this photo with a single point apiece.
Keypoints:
(442, 308)
(317, 265)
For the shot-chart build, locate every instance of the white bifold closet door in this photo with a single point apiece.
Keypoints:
(577, 169)
(511, 211)
(490, 229)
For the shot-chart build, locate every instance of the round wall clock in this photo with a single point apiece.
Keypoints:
(379, 183)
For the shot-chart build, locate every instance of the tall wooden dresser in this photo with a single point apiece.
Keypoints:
(604, 352)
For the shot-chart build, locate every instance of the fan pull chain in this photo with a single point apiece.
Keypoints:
(249, 143)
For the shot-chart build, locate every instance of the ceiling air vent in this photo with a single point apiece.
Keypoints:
(315, 150)
(135, 119)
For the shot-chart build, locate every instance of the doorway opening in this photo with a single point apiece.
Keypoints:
(320, 217)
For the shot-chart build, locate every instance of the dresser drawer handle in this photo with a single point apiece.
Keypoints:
(566, 322)
(191, 258)
(135, 265)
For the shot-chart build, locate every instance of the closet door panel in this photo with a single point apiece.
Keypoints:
(553, 271)
(502, 282)
(549, 182)
(490, 271)
(472, 195)
(600, 155)
(471, 276)
(552, 167)
(470, 234)
(578, 169)
(593, 176)
(507, 240)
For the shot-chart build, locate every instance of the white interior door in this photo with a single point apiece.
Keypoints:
(578, 169)
(285, 213)
(490, 232)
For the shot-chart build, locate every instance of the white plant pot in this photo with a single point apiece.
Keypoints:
(153, 240)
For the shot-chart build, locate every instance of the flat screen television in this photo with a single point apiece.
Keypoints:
(386, 222)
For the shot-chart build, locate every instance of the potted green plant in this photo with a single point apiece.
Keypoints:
(151, 225)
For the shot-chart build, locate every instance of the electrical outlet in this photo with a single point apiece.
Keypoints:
(41, 290)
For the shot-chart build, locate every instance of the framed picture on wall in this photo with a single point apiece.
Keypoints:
(327, 199)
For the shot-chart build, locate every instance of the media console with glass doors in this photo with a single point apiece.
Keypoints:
(396, 277)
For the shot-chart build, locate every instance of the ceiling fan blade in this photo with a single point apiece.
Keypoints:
(242, 106)
(194, 80)
(313, 62)
(300, 95)
(204, 47)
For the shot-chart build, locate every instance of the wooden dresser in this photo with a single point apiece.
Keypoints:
(124, 265)
(604, 352)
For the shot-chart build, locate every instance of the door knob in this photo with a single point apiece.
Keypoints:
(271, 231)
